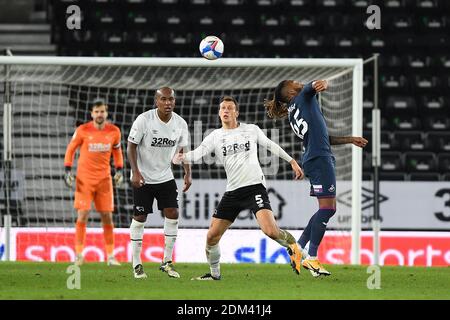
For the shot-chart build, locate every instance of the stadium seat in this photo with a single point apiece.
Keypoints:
(424, 176)
(427, 4)
(427, 81)
(272, 22)
(367, 122)
(368, 102)
(404, 122)
(235, 21)
(392, 176)
(138, 19)
(433, 40)
(360, 3)
(344, 41)
(106, 17)
(234, 3)
(395, 61)
(392, 161)
(420, 61)
(434, 105)
(395, 3)
(432, 23)
(270, 4)
(420, 161)
(411, 141)
(113, 37)
(400, 23)
(391, 80)
(375, 42)
(388, 142)
(441, 141)
(401, 104)
(300, 4)
(336, 21)
(172, 20)
(168, 3)
(403, 39)
(445, 81)
(333, 4)
(199, 3)
(444, 162)
(313, 40)
(437, 123)
(445, 59)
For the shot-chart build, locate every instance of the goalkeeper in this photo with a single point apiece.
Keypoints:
(97, 140)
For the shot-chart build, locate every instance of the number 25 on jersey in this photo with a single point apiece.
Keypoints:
(299, 126)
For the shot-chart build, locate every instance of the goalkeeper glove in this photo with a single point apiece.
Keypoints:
(118, 178)
(68, 177)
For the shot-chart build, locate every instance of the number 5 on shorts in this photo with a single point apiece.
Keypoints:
(259, 200)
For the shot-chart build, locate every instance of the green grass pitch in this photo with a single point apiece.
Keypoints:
(26, 280)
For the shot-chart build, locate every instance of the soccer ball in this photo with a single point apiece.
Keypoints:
(211, 47)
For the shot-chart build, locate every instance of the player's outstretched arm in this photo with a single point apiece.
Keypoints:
(206, 147)
(357, 141)
(320, 85)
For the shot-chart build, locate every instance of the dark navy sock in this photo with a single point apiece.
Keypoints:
(318, 226)
(306, 235)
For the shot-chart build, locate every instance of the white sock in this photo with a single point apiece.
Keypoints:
(213, 257)
(305, 253)
(170, 236)
(136, 234)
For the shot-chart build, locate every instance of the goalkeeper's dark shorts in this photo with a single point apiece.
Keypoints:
(166, 194)
(253, 198)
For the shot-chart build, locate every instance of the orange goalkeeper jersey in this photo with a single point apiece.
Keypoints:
(95, 153)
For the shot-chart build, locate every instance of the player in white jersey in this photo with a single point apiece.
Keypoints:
(155, 137)
(235, 144)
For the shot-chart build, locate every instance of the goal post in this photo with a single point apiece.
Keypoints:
(357, 127)
(68, 85)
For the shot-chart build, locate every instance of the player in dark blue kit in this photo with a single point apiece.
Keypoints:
(298, 102)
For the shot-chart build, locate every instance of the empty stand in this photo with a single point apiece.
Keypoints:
(413, 44)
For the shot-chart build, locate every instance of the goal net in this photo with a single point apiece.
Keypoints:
(51, 96)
